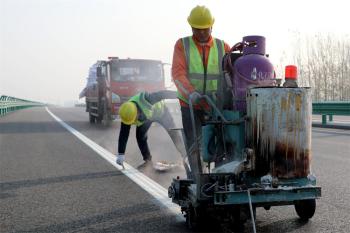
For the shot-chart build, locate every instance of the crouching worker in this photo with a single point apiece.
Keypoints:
(142, 110)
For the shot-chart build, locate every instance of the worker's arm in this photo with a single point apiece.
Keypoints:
(179, 71)
(123, 138)
(155, 97)
(226, 47)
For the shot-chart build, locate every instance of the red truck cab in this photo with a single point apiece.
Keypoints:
(117, 81)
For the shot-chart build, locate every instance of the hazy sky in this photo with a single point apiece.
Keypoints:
(47, 46)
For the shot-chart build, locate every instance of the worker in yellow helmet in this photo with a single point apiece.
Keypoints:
(142, 110)
(196, 70)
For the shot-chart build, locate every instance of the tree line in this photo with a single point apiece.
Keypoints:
(323, 62)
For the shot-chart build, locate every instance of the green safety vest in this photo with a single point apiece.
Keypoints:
(151, 112)
(195, 69)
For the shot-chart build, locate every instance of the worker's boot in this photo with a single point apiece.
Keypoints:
(147, 158)
(147, 163)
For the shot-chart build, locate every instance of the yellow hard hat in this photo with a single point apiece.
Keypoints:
(128, 112)
(200, 18)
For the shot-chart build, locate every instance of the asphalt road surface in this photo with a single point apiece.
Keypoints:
(50, 181)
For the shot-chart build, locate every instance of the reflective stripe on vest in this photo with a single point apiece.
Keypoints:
(151, 112)
(195, 69)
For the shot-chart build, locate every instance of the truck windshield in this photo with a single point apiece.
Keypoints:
(136, 71)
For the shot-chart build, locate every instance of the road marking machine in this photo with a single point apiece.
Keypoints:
(254, 146)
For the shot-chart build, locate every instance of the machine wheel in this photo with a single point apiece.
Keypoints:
(191, 218)
(196, 218)
(92, 118)
(239, 216)
(305, 209)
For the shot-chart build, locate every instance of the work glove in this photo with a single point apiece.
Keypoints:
(195, 97)
(120, 159)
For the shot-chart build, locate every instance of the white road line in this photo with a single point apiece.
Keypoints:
(149, 185)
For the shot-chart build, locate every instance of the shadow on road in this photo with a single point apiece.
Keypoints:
(46, 127)
(5, 186)
(285, 225)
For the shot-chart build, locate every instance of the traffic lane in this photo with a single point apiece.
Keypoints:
(51, 182)
(331, 162)
(160, 144)
(334, 138)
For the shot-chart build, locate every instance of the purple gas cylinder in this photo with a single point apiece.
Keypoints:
(253, 68)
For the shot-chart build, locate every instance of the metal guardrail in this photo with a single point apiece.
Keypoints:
(331, 108)
(10, 104)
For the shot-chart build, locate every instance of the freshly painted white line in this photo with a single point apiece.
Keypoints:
(149, 185)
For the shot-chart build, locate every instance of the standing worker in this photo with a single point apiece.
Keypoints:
(142, 110)
(196, 70)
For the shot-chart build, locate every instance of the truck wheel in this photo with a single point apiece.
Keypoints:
(305, 209)
(91, 119)
(106, 121)
(98, 120)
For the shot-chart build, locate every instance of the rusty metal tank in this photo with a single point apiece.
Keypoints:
(279, 130)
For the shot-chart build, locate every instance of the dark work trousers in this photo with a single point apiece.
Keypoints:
(165, 121)
(193, 149)
(141, 137)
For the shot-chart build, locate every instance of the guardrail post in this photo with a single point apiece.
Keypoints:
(324, 119)
(330, 118)
(331, 108)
